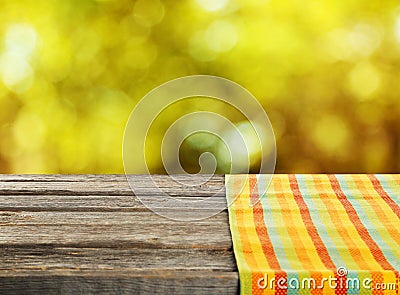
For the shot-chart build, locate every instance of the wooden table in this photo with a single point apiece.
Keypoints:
(90, 234)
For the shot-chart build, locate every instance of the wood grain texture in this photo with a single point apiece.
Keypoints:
(90, 234)
(112, 282)
(118, 185)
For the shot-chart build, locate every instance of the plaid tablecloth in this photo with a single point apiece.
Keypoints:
(316, 234)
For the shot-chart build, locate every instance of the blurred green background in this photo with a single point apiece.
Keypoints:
(326, 72)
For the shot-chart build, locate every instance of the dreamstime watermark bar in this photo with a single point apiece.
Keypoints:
(338, 280)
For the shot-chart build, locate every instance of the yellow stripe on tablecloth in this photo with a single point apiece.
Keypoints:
(393, 181)
(301, 240)
(283, 233)
(329, 224)
(380, 207)
(381, 216)
(295, 235)
(344, 225)
(244, 268)
(326, 274)
(249, 238)
(276, 191)
(248, 227)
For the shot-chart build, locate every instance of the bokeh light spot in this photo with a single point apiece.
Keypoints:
(364, 80)
(198, 49)
(330, 135)
(335, 45)
(20, 39)
(148, 13)
(55, 55)
(16, 73)
(397, 29)
(221, 36)
(364, 39)
(212, 5)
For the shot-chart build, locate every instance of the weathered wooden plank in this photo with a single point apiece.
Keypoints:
(93, 203)
(141, 229)
(91, 186)
(108, 218)
(69, 203)
(134, 259)
(119, 282)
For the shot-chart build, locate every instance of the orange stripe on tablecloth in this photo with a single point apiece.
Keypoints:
(379, 189)
(339, 226)
(260, 225)
(291, 223)
(312, 257)
(246, 247)
(391, 227)
(362, 231)
(252, 250)
(311, 229)
(262, 232)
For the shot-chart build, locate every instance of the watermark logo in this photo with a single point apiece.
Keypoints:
(254, 134)
(338, 280)
(342, 271)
